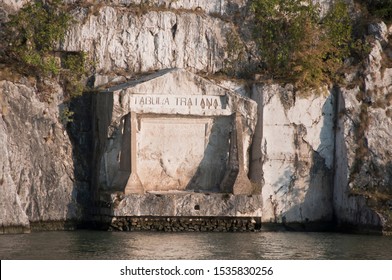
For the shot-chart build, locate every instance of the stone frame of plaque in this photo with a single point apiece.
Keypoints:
(187, 134)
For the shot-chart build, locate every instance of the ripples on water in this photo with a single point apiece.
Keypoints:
(152, 245)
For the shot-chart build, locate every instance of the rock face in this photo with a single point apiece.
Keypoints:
(37, 172)
(319, 158)
(363, 172)
(219, 7)
(14, 5)
(11, 212)
(121, 39)
(296, 143)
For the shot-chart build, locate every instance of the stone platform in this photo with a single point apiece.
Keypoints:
(186, 204)
(180, 211)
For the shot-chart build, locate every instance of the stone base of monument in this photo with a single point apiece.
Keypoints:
(187, 204)
(184, 211)
(175, 146)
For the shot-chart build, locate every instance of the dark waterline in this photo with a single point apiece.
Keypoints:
(154, 245)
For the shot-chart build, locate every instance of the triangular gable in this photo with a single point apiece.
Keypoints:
(179, 92)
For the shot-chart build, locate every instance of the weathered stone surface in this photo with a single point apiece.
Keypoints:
(182, 132)
(118, 38)
(13, 5)
(219, 6)
(295, 151)
(11, 211)
(188, 204)
(292, 153)
(36, 174)
(363, 170)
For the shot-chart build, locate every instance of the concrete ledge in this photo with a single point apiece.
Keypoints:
(186, 204)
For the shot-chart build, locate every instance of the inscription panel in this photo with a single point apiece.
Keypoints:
(179, 104)
(170, 151)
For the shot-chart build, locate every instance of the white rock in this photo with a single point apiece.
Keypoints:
(297, 155)
(118, 38)
(37, 186)
(363, 138)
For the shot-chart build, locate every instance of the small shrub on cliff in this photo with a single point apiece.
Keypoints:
(296, 45)
(379, 8)
(66, 115)
(279, 31)
(75, 68)
(34, 33)
(235, 53)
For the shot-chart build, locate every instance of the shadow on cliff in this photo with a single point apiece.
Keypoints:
(208, 171)
(215, 162)
(315, 210)
(80, 131)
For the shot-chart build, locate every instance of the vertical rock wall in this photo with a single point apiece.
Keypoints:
(142, 41)
(12, 214)
(296, 145)
(363, 171)
(37, 182)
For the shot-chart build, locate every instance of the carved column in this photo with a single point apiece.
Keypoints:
(242, 185)
(134, 185)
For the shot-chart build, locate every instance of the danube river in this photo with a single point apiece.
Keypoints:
(157, 245)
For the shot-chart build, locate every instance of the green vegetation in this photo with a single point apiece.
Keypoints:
(298, 46)
(235, 53)
(34, 35)
(74, 70)
(379, 8)
(279, 31)
(66, 115)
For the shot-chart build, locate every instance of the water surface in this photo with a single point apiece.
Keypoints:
(201, 245)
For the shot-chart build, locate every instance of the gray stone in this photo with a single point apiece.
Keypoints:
(362, 158)
(170, 131)
(289, 147)
(183, 204)
(36, 166)
(121, 39)
(293, 158)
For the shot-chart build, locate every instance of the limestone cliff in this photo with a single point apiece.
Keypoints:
(37, 171)
(44, 163)
(134, 36)
(320, 158)
(296, 155)
(362, 193)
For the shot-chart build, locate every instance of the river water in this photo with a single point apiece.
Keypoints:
(157, 245)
